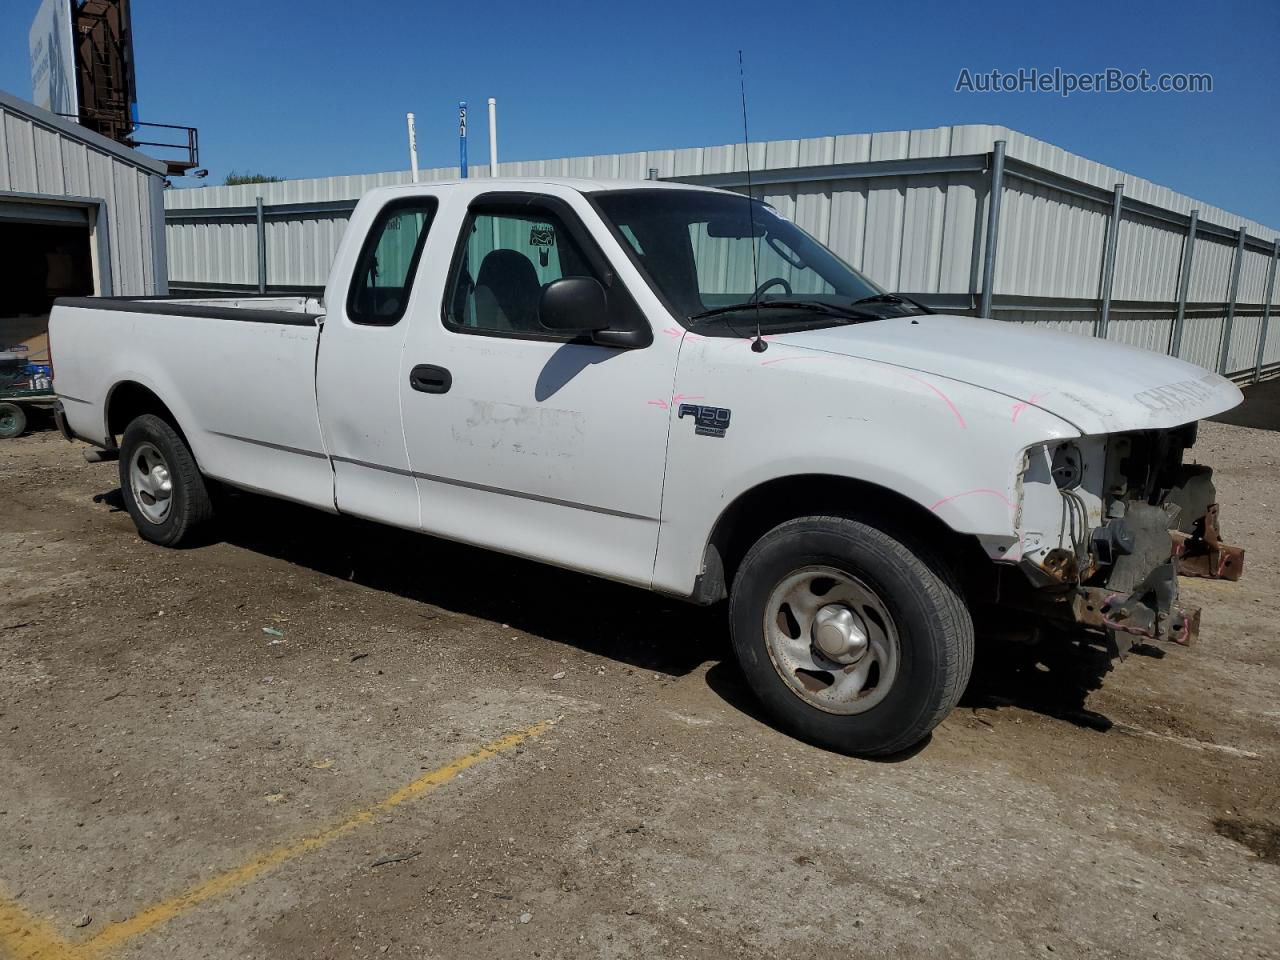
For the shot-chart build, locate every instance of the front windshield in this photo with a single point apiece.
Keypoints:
(696, 247)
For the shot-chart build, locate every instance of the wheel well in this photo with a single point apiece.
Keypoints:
(130, 400)
(764, 507)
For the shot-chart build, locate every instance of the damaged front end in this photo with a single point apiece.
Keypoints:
(1108, 523)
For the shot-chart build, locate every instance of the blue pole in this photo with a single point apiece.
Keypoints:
(462, 137)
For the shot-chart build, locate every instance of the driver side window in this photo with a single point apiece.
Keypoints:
(507, 260)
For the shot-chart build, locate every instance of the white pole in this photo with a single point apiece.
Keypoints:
(493, 137)
(413, 146)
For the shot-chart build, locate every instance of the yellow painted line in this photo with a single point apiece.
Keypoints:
(27, 937)
(23, 937)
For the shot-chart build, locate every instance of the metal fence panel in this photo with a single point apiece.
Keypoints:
(1244, 343)
(1062, 321)
(1211, 270)
(909, 208)
(1049, 247)
(1149, 331)
(1148, 260)
(1271, 352)
(1253, 276)
(1202, 339)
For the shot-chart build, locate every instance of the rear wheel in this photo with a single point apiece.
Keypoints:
(854, 641)
(163, 490)
(13, 421)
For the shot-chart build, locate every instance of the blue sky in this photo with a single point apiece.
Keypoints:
(301, 91)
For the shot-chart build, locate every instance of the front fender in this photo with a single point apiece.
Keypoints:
(954, 449)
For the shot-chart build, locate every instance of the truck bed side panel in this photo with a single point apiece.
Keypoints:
(243, 392)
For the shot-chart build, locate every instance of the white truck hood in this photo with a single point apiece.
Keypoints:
(1097, 386)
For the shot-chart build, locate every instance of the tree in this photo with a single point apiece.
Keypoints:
(235, 179)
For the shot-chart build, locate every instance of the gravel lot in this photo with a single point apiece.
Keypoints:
(202, 750)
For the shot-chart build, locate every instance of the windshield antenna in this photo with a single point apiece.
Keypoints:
(758, 345)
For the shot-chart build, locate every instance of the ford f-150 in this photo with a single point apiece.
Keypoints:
(678, 388)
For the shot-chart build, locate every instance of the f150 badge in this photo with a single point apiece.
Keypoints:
(707, 421)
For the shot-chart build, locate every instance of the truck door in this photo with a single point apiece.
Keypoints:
(358, 367)
(532, 442)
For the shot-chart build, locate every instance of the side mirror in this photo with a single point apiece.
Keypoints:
(574, 305)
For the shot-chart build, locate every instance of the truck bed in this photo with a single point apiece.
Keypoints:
(238, 375)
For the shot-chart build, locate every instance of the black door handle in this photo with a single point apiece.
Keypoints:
(429, 378)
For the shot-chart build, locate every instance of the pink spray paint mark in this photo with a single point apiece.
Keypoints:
(677, 398)
(942, 396)
(1023, 404)
(969, 493)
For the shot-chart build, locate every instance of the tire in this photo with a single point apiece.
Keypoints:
(889, 622)
(13, 421)
(168, 505)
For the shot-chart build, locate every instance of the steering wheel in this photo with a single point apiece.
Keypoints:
(775, 282)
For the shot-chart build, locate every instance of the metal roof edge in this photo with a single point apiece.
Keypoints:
(72, 129)
(1021, 147)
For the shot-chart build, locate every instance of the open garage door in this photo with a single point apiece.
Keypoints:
(44, 253)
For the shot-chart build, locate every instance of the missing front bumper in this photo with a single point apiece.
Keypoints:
(1147, 605)
(1104, 609)
(1201, 553)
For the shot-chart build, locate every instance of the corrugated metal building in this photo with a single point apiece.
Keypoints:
(53, 172)
(970, 219)
(80, 215)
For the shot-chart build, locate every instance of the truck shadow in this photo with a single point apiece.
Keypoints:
(625, 624)
(1054, 677)
(1260, 410)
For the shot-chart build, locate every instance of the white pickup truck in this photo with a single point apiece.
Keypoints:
(678, 388)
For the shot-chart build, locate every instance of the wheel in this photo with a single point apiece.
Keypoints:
(13, 421)
(163, 490)
(853, 641)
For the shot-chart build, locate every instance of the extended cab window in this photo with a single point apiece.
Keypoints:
(503, 264)
(388, 261)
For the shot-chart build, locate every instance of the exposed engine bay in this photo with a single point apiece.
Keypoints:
(1130, 517)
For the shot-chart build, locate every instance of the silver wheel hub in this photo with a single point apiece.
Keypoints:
(839, 633)
(150, 482)
(832, 639)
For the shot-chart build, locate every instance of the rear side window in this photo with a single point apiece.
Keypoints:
(384, 271)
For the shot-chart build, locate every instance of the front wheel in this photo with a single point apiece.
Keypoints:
(852, 640)
(163, 490)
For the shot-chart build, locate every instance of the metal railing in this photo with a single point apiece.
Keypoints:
(189, 145)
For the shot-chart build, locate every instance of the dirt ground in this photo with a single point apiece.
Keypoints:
(176, 781)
